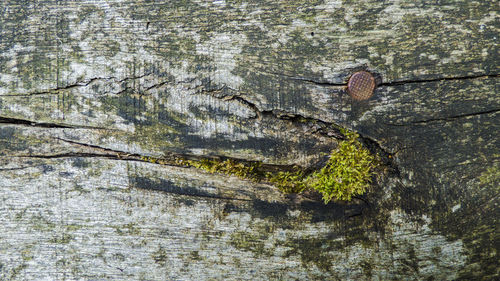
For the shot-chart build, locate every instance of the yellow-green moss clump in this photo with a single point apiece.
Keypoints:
(348, 171)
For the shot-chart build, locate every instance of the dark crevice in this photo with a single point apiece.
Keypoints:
(160, 84)
(16, 168)
(446, 119)
(76, 85)
(246, 103)
(23, 122)
(404, 82)
(386, 157)
(58, 89)
(320, 83)
(29, 123)
(70, 155)
(450, 118)
(392, 83)
(169, 159)
(316, 126)
(121, 155)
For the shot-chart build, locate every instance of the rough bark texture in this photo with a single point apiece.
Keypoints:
(90, 89)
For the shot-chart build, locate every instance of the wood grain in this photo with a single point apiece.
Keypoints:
(90, 89)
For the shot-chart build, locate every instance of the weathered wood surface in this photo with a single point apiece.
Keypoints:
(88, 88)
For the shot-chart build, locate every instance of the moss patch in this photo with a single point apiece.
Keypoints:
(288, 182)
(347, 173)
(229, 167)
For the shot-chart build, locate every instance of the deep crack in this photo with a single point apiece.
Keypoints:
(445, 119)
(404, 82)
(169, 158)
(76, 85)
(29, 123)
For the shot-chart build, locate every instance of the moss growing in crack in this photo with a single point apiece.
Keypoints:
(228, 167)
(288, 182)
(348, 171)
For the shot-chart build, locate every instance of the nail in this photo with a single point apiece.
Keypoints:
(361, 85)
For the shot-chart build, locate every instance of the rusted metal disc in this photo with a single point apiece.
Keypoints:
(361, 85)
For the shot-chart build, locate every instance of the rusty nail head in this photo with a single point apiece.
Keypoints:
(361, 85)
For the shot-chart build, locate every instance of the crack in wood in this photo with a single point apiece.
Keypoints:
(391, 83)
(445, 119)
(168, 159)
(76, 85)
(69, 155)
(29, 123)
(319, 83)
(317, 126)
(112, 153)
(459, 78)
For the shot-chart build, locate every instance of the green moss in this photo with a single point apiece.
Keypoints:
(288, 182)
(40, 223)
(228, 167)
(347, 173)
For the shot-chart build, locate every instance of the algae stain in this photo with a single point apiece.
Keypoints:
(41, 223)
(65, 238)
(27, 253)
(127, 229)
(160, 256)
(312, 251)
(491, 177)
(250, 242)
(475, 225)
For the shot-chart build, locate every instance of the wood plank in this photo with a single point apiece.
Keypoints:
(93, 218)
(90, 89)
